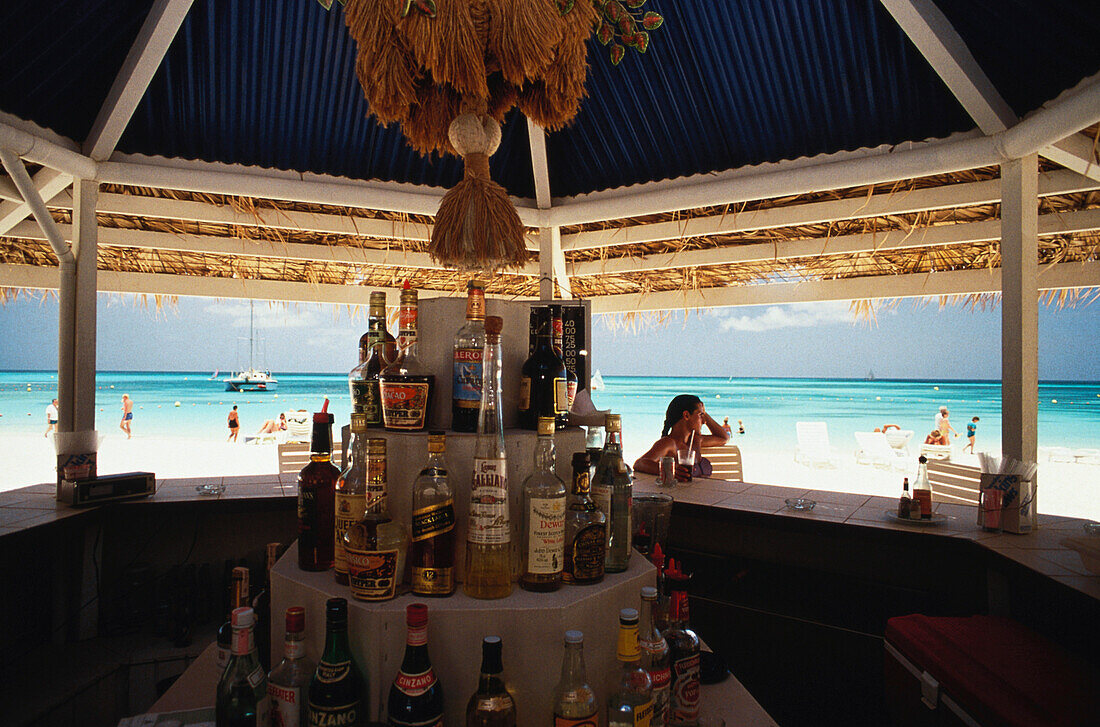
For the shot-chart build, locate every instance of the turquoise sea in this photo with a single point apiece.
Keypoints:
(1069, 412)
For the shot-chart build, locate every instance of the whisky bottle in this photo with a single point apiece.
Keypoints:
(613, 492)
(543, 391)
(489, 534)
(242, 690)
(416, 696)
(655, 657)
(407, 385)
(469, 346)
(543, 534)
(376, 349)
(684, 656)
(316, 498)
(585, 529)
(575, 703)
(238, 598)
(631, 704)
(377, 544)
(261, 605)
(351, 493)
(491, 705)
(289, 680)
(557, 330)
(432, 551)
(338, 691)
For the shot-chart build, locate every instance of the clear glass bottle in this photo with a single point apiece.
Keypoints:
(376, 545)
(684, 656)
(238, 598)
(416, 696)
(432, 552)
(585, 529)
(407, 385)
(242, 690)
(375, 347)
(543, 389)
(631, 704)
(317, 499)
(613, 491)
(557, 330)
(337, 692)
(543, 534)
(489, 535)
(288, 682)
(922, 490)
(469, 346)
(351, 493)
(575, 703)
(655, 656)
(491, 705)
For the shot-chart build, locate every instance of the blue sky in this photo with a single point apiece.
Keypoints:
(815, 340)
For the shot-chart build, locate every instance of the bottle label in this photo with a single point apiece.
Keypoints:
(561, 396)
(365, 399)
(372, 574)
(407, 326)
(243, 642)
(330, 673)
(294, 648)
(525, 393)
(349, 510)
(428, 522)
(433, 581)
(307, 510)
(571, 392)
(345, 715)
(257, 677)
(466, 391)
(582, 485)
(405, 404)
(286, 705)
(590, 721)
(601, 495)
(685, 689)
(546, 539)
(585, 558)
(627, 647)
(223, 658)
(489, 517)
(643, 714)
(413, 685)
(661, 679)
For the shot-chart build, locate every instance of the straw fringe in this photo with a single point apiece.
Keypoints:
(522, 37)
(477, 228)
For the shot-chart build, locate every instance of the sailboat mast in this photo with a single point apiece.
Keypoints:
(251, 312)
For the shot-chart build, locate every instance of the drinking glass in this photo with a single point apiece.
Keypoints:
(685, 463)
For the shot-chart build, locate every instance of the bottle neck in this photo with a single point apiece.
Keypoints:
(627, 649)
(416, 651)
(320, 444)
(678, 608)
(491, 680)
(376, 484)
(243, 641)
(646, 628)
(336, 643)
(294, 646)
(489, 420)
(572, 665)
(475, 306)
(407, 338)
(544, 454)
(614, 443)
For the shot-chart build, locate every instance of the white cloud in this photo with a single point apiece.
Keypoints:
(793, 315)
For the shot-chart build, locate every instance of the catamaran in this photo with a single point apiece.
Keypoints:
(251, 379)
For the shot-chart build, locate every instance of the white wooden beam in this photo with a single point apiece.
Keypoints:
(557, 264)
(48, 182)
(152, 42)
(1077, 152)
(8, 192)
(84, 331)
(540, 166)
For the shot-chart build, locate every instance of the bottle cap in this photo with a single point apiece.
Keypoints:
(546, 426)
(574, 636)
(580, 460)
(416, 615)
(378, 298)
(922, 459)
(614, 423)
(649, 593)
(336, 610)
(358, 422)
(437, 442)
(493, 325)
(323, 417)
(628, 616)
(376, 445)
(243, 617)
(296, 619)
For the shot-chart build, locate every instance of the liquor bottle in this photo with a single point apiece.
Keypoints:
(351, 493)
(491, 705)
(416, 696)
(684, 657)
(661, 608)
(288, 682)
(238, 598)
(242, 690)
(593, 446)
(575, 703)
(489, 534)
(904, 500)
(585, 529)
(543, 517)
(261, 605)
(433, 525)
(631, 704)
(557, 330)
(379, 350)
(543, 390)
(655, 656)
(377, 544)
(407, 384)
(922, 491)
(316, 498)
(338, 692)
(613, 492)
(469, 347)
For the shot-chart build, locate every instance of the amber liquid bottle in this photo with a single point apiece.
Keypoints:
(377, 544)
(376, 348)
(585, 529)
(351, 493)
(469, 347)
(416, 696)
(432, 552)
(317, 499)
(407, 385)
(543, 386)
(491, 705)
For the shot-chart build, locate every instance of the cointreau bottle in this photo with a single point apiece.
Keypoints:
(416, 696)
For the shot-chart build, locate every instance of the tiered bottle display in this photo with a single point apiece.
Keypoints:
(288, 682)
(585, 529)
(416, 696)
(316, 499)
(575, 703)
(376, 546)
(613, 492)
(375, 347)
(491, 705)
(407, 385)
(432, 552)
(469, 347)
(242, 699)
(337, 692)
(543, 387)
(543, 517)
(351, 494)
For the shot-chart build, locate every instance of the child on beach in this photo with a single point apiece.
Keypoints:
(971, 432)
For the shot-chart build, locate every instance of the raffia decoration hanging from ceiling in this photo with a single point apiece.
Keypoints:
(448, 71)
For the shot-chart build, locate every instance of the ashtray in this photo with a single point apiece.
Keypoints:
(1092, 528)
(800, 503)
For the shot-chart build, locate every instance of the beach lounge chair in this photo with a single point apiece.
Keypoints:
(293, 456)
(872, 448)
(813, 449)
(936, 451)
(899, 439)
(954, 483)
(299, 426)
(1060, 454)
(1086, 456)
(726, 461)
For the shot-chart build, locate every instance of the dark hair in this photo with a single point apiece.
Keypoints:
(676, 408)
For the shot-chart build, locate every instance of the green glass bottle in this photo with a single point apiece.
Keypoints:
(337, 693)
(242, 699)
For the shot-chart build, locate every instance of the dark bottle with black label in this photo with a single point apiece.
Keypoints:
(585, 529)
(337, 693)
(543, 387)
(317, 499)
(416, 696)
(432, 552)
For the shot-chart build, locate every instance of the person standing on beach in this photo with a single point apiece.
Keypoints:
(234, 424)
(944, 425)
(127, 415)
(971, 434)
(684, 421)
(51, 418)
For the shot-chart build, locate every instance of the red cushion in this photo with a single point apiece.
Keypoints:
(999, 671)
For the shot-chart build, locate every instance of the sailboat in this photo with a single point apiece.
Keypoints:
(597, 381)
(870, 375)
(213, 376)
(251, 379)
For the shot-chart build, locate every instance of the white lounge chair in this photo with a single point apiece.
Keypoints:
(936, 451)
(1086, 456)
(1060, 454)
(299, 426)
(874, 449)
(899, 439)
(813, 448)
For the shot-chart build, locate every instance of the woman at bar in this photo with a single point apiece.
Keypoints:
(684, 421)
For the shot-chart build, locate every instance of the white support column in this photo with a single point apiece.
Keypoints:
(546, 263)
(85, 245)
(1020, 309)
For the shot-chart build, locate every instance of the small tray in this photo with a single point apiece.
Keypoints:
(936, 518)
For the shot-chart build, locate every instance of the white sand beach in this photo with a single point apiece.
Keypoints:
(1067, 488)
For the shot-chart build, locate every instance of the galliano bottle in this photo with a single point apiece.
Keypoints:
(585, 529)
(416, 696)
(631, 704)
(288, 682)
(543, 534)
(375, 347)
(377, 544)
(432, 552)
(407, 385)
(316, 498)
(489, 533)
(612, 490)
(242, 699)
(575, 703)
(469, 347)
(338, 691)
(351, 493)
